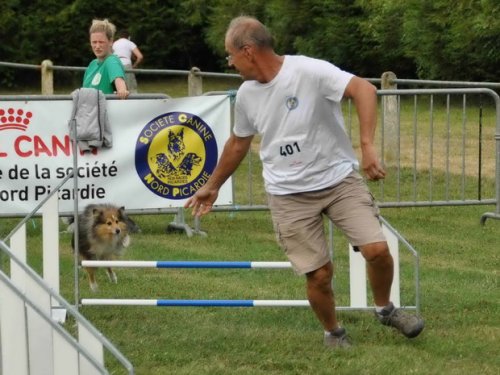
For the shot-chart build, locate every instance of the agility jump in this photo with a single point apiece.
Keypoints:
(182, 264)
(357, 283)
(195, 302)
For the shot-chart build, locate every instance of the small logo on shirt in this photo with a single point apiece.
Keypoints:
(292, 102)
(96, 79)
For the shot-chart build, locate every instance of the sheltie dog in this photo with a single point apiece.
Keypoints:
(103, 234)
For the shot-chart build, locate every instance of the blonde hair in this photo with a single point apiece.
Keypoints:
(103, 26)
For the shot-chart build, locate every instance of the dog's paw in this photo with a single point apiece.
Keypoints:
(112, 277)
(94, 287)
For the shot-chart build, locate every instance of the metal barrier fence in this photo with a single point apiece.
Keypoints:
(438, 145)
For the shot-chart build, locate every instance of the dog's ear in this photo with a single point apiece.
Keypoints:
(96, 212)
(121, 212)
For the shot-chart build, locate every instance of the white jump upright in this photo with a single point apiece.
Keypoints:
(357, 273)
(32, 335)
(32, 341)
(22, 326)
(13, 329)
(50, 219)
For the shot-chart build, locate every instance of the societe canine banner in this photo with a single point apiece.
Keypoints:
(163, 151)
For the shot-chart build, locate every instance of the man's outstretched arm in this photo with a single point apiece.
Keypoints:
(234, 151)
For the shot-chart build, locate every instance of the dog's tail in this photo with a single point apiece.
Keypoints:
(69, 221)
(131, 224)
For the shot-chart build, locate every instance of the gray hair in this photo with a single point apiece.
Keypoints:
(103, 26)
(248, 30)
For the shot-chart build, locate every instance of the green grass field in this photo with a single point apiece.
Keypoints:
(459, 300)
(459, 262)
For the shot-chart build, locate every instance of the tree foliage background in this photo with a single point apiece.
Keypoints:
(427, 39)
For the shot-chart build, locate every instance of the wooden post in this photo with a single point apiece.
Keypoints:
(195, 82)
(390, 116)
(47, 78)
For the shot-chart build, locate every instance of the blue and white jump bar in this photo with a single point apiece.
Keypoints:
(187, 302)
(194, 303)
(182, 264)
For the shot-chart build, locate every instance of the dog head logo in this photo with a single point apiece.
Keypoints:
(175, 154)
(176, 145)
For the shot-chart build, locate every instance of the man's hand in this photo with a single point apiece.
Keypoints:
(201, 203)
(234, 151)
(371, 165)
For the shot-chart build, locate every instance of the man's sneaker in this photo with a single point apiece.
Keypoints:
(408, 324)
(337, 338)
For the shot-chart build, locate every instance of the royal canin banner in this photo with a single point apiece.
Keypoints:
(163, 151)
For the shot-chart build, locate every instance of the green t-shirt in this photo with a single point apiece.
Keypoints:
(101, 75)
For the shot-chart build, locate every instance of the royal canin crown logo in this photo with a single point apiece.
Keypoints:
(14, 119)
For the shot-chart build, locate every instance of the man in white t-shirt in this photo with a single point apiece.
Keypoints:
(130, 55)
(309, 167)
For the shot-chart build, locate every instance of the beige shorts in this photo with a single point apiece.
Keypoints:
(299, 226)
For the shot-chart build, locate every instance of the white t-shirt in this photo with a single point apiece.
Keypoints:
(304, 145)
(123, 48)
